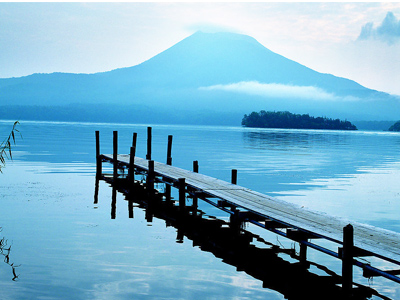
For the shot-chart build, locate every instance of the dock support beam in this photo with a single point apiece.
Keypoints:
(148, 155)
(347, 258)
(182, 193)
(115, 156)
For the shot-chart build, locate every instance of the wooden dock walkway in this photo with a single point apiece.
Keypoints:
(281, 217)
(381, 242)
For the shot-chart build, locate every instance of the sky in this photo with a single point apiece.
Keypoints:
(357, 40)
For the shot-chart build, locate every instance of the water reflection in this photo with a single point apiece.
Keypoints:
(292, 139)
(240, 248)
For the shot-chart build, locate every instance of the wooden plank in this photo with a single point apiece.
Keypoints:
(381, 242)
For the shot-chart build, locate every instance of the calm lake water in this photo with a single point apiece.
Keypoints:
(65, 247)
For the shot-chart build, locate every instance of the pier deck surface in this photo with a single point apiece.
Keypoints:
(379, 241)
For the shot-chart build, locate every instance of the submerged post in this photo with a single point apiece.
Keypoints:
(169, 150)
(148, 155)
(347, 258)
(182, 193)
(195, 166)
(115, 155)
(234, 176)
(98, 159)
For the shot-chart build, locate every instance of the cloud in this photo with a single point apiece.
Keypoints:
(211, 27)
(277, 90)
(388, 31)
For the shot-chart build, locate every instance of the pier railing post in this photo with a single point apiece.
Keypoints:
(98, 159)
(148, 155)
(234, 176)
(169, 150)
(182, 193)
(195, 166)
(115, 156)
(347, 258)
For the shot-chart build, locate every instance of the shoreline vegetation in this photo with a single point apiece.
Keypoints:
(287, 120)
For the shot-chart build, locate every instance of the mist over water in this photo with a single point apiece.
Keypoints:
(64, 246)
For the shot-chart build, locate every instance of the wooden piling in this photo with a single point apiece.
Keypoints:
(195, 199)
(234, 176)
(347, 258)
(148, 155)
(150, 179)
(134, 139)
(98, 159)
(115, 156)
(182, 193)
(131, 169)
(169, 150)
(195, 166)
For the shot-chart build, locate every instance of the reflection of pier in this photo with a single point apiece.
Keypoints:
(244, 205)
(236, 246)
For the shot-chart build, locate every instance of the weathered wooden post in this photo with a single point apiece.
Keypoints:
(148, 155)
(169, 162)
(98, 159)
(347, 258)
(131, 170)
(169, 150)
(234, 176)
(150, 179)
(115, 156)
(195, 166)
(182, 193)
(134, 139)
(195, 199)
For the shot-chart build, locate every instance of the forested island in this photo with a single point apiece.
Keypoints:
(285, 119)
(395, 126)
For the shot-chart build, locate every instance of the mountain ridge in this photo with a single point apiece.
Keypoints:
(181, 76)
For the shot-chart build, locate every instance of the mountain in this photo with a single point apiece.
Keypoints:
(206, 78)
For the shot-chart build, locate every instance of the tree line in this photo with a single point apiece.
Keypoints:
(285, 119)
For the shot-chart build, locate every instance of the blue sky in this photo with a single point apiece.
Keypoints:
(358, 40)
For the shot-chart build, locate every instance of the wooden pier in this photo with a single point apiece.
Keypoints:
(244, 205)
